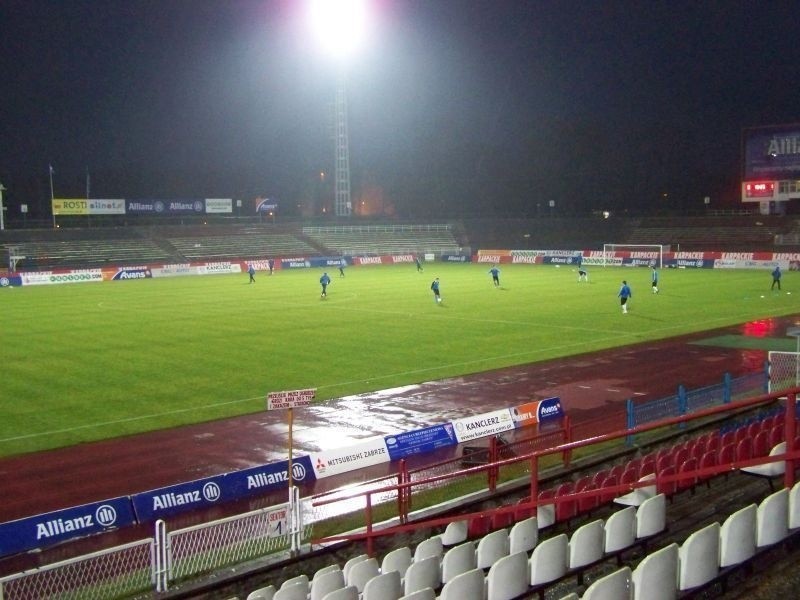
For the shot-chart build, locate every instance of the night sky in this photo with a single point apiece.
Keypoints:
(456, 107)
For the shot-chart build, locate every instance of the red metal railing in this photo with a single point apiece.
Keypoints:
(405, 486)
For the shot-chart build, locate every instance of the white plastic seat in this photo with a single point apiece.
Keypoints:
(423, 594)
(638, 495)
(523, 536)
(385, 586)
(455, 533)
(464, 586)
(545, 515)
(491, 547)
(656, 576)
(620, 530)
(651, 516)
(361, 572)
(586, 545)
(772, 519)
(293, 592)
(548, 560)
(737, 537)
(698, 558)
(508, 577)
(263, 593)
(398, 560)
(614, 586)
(353, 561)
(772, 469)
(794, 506)
(458, 560)
(346, 593)
(421, 574)
(326, 582)
(430, 547)
(323, 570)
(301, 580)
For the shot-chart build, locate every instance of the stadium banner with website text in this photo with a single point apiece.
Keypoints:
(61, 276)
(169, 500)
(88, 207)
(266, 478)
(266, 205)
(483, 425)
(419, 441)
(62, 525)
(534, 412)
(341, 460)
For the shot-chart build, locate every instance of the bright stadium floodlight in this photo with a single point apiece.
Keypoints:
(341, 27)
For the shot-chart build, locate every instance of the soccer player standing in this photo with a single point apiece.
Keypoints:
(776, 278)
(654, 279)
(324, 281)
(624, 294)
(495, 275)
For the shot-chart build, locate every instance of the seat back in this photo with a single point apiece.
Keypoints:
(385, 586)
(508, 577)
(346, 593)
(325, 583)
(698, 558)
(454, 533)
(465, 586)
(586, 544)
(620, 530)
(523, 536)
(362, 572)
(349, 564)
(398, 560)
(264, 593)
(794, 506)
(651, 516)
(423, 594)
(458, 560)
(772, 519)
(656, 576)
(737, 537)
(492, 547)
(421, 574)
(548, 560)
(614, 586)
(429, 547)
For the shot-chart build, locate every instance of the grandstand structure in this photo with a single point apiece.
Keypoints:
(44, 249)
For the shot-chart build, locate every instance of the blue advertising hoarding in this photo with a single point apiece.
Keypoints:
(772, 153)
(67, 524)
(173, 499)
(266, 478)
(418, 441)
(192, 206)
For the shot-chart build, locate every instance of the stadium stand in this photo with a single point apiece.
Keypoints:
(387, 239)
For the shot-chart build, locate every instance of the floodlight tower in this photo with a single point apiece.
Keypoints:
(340, 26)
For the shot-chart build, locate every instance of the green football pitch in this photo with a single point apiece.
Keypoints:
(85, 362)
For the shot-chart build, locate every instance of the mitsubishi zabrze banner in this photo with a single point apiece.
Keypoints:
(341, 460)
(486, 424)
(67, 524)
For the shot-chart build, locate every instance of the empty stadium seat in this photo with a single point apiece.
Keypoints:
(698, 558)
(737, 537)
(398, 560)
(523, 536)
(651, 517)
(508, 577)
(656, 576)
(620, 530)
(614, 586)
(422, 574)
(465, 586)
(492, 547)
(458, 560)
(772, 519)
(548, 560)
(385, 586)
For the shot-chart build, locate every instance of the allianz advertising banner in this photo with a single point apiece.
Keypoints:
(165, 207)
(772, 153)
(267, 478)
(159, 503)
(54, 527)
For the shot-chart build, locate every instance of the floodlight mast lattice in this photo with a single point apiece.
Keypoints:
(340, 27)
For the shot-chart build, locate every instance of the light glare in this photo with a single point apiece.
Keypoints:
(339, 25)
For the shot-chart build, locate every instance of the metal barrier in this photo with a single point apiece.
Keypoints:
(118, 572)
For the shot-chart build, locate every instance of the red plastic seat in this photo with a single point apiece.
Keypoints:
(741, 433)
(648, 468)
(479, 526)
(667, 488)
(712, 444)
(776, 435)
(499, 520)
(589, 503)
(761, 445)
(565, 509)
(664, 461)
(523, 512)
(726, 454)
(753, 429)
(609, 481)
(708, 460)
(744, 449)
(728, 437)
(685, 483)
(681, 456)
